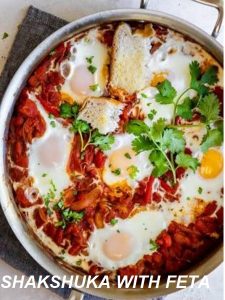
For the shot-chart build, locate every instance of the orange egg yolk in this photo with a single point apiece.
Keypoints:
(66, 98)
(211, 164)
(122, 159)
(82, 80)
(118, 246)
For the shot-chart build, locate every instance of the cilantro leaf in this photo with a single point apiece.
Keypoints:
(153, 245)
(152, 113)
(159, 162)
(94, 87)
(132, 171)
(213, 138)
(198, 80)
(117, 172)
(187, 161)
(195, 70)
(142, 143)
(173, 140)
(5, 35)
(72, 216)
(195, 83)
(104, 142)
(92, 69)
(80, 126)
(167, 92)
(113, 221)
(90, 59)
(209, 107)
(157, 129)
(184, 110)
(210, 76)
(136, 127)
(127, 155)
(68, 111)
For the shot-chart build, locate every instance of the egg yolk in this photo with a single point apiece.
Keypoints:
(118, 246)
(158, 78)
(211, 164)
(51, 153)
(122, 159)
(82, 80)
(66, 98)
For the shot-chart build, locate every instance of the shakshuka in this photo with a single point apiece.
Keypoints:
(115, 151)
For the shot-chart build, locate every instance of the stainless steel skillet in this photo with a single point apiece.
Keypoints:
(208, 42)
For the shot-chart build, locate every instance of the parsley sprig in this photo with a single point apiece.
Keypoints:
(160, 141)
(205, 102)
(67, 215)
(50, 195)
(200, 82)
(81, 127)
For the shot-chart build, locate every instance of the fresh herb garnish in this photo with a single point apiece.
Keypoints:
(152, 114)
(80, 126)
(94, 87)
(117, 172)
(50, 196)
(72, 216)
(104, 142)
(79, 262)
(144, 95)
(136, 127)
(67, 215)
(167, 92)
(89, 59)
(53, 124)
(184, 110)
(113, 222)
(173, 140)
(5, 35)
(200, 190)
(209, 108)
(52, 52)
(214, 137)
(127, 155)
(187, 161)
(92, 69)
(159, 140)
(132, 171)
(153, 245)
(159, 162)
(68, 111)
(142, 143)
(51, 116)
(200, 81)
(44, 175)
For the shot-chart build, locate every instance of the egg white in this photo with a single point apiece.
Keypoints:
(210, 188)
(141, 161)
(148, 103)
(143, 227)
(87, 47)
(46, 171)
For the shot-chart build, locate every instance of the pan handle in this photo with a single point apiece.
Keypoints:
(218, 4)
(76, 295)
(144, 4)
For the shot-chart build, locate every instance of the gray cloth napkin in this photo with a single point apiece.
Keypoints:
(36, 26)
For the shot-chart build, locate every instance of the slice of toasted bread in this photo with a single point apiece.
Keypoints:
(128, 66)
(102, 113)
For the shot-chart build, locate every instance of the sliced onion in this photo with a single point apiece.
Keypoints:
(31, 194)
(66, 69)
(73, 50)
